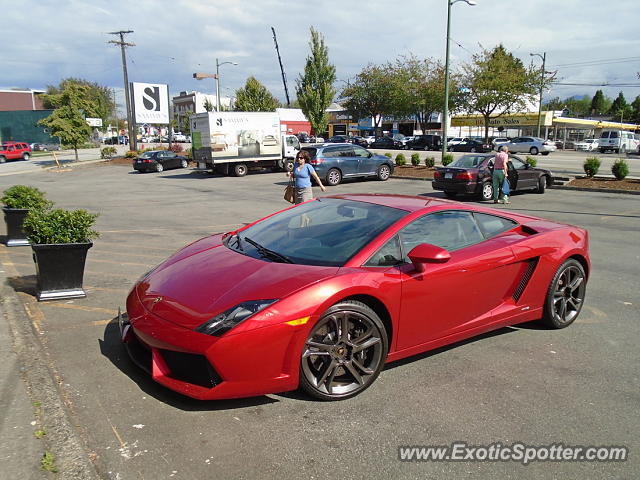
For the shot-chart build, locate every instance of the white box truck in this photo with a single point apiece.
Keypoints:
(234, 142)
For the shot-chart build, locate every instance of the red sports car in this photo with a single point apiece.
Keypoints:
(321, 295)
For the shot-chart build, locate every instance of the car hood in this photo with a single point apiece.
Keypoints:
(190, 288)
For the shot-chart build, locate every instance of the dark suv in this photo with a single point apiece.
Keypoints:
(14, 151)
(333, 162)
(472, 174)
(425, 142)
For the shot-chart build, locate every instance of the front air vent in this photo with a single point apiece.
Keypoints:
(524, 281)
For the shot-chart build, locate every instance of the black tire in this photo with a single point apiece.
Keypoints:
(623, 149)
(26, 156)
(565, 295)
(184, 164)
(450, 194)
(542, 184)
(533, 150)
(240, 170)
(334, 177)
(602, 150)
(486, 191)
(545, 153)
(473, 150)
(159, 167)
(383, 173)
(3, 159)
(344, 352)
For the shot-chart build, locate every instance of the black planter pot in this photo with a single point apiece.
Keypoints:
(60, 270)
(14, 218)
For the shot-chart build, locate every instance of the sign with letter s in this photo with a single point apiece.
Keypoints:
(150, 102)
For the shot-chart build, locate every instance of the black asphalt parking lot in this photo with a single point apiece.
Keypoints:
(577, 386)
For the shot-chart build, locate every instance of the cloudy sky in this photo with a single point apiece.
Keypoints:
(587, 41)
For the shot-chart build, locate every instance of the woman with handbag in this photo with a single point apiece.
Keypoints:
(301, 176)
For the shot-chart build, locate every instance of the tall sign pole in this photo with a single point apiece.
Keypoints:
(284, 77)
(123, 44)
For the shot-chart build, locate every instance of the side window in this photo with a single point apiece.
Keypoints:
(517, 163)
(493, 225)
(449, 230)
(331, 152)
(360, 152)
(388, 255)
(346, 151)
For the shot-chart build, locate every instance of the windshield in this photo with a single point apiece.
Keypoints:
(326, 232)
(468, 161)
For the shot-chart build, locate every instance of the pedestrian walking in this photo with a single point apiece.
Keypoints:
(302, 173)
(499, 175)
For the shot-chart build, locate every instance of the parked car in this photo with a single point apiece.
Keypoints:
(532, 145)
(14, 151)
(425, 142)
(320, 296)
(159, 160)
(471, 175)
(471, 146)
(386, 142)
(587, 145)
(618, 141)
(457, 140)
(303, 137)
(358, 141)
(338, 139)
(334, 162)
(370, 139)
(179, 137)
(497, 141)
(399, 137)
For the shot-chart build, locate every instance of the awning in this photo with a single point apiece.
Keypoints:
(507, 120)
(595, 124)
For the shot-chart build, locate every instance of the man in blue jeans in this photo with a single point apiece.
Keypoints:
(499, 174)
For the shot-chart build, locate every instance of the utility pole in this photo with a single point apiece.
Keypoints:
(284, 77)
(123, 44)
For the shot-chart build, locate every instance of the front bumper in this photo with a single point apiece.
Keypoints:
(257, 362)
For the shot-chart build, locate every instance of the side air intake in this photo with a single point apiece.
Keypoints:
(524, 281)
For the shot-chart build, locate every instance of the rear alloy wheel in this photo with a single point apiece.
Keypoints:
(184, 164)
(239, 170)
(344, 352)
(565, 295)
(487, 191)
(3, 159)
(623, 149)
(383, 173)
(533, 150)
(542, 183)
(334, 177)
(159, 167)
(26, 156)
(450, 194)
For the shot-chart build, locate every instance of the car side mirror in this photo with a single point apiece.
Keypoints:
(370, 155)
(428, 253)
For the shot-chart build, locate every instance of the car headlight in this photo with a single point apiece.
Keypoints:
(225, 321)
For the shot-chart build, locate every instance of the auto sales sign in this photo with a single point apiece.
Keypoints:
(150, 102)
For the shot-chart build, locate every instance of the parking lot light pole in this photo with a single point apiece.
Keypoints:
(218, 81)
(544, 59)
(445, 109)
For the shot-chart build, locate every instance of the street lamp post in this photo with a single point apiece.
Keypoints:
(544, 59)
(200, 76)
(445, 109)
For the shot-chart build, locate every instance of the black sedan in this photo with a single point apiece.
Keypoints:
(386, 142)
(159, 160)
(338, 139)
(471, 175)
(469, 145)
(355, 140)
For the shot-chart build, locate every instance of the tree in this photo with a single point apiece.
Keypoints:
(254, 97)
(620, 109)
(635, 112)
(207, 105)
(68, 120)
(95, 100)
(497, 83)
(370, 94)
(419, 88)
(598, 103)
(314, 87)
(579, 106)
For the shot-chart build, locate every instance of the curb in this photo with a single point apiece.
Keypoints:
(42, 381)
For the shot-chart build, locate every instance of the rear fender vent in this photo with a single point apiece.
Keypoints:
(524, 281)
(528, 230)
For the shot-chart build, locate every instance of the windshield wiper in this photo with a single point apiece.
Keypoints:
(265, 252)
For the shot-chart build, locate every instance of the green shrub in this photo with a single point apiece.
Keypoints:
(22, 196)
(415, 159)
(620, 169)
(388, 155)
(531, 161)
(108, 152)
(60, 226)
(447, 158)
(401, 159)
(430, 162)
(591, 166)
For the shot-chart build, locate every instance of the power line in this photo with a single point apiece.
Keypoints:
(598, 84)
(605, 61)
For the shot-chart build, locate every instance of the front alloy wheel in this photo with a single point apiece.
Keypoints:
(565, 295)
(344, 352)
(334, 177)
(384, 172)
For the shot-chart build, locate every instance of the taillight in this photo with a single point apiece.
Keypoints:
(437, 174)
(463, 176)
(316, 161)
